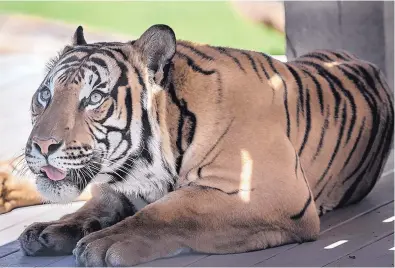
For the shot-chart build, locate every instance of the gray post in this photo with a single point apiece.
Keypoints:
(365, 29)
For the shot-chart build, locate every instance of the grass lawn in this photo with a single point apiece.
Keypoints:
(205, 22)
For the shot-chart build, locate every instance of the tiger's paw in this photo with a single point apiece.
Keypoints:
(14, 193)
(111, 251)
(119, 245)
(57, 237)
(7, 195)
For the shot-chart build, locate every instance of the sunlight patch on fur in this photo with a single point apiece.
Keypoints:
(245, 176)
(332, 64)
(276, 82)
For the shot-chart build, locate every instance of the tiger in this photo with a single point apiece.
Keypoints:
(229, 150)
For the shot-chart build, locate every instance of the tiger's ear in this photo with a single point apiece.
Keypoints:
(157, 46)
(78, 37)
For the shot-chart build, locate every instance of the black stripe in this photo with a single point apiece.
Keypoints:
(119, 51)
(122, 172)
(220, 93)
(196, 51)
(109, 113)
(269, 60)
(322, 56)
(355, 143)
(296, 164)
(338, 142)
(186, 117)
(351, 190)
(266, 75)
(308, 123)
(369, 80)
(333, 79)
(253, 64)
(323, 188)
(191, 63)
(373, 135)
(300, 86)
(146, 134)
(347, 94)
(370, 99)
(340, 55)
(319, 90)
(71, 59)
(214, 146)
(98, 61)
(224, 51)
(386, 148)
(199, 172)
(190, 117)
(300, 214)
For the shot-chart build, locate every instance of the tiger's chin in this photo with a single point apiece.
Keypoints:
(63, 191)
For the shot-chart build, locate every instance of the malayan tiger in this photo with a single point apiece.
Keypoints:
(231, 150)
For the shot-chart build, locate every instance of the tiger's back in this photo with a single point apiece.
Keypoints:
(353, 130)
(333, 107)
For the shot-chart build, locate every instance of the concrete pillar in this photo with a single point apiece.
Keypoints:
(366, 29)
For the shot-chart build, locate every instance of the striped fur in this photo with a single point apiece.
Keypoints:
(289, 141)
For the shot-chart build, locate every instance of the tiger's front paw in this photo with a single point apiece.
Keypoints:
(113, 248)
(57, 237)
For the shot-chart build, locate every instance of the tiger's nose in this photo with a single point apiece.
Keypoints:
(46, 146)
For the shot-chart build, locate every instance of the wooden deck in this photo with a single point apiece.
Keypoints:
(366, 230)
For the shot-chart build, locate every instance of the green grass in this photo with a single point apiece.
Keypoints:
(214, 23)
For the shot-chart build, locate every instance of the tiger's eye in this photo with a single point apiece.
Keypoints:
(45, 95)
(95, 98)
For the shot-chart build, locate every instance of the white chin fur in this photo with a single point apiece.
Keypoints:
(62, 191)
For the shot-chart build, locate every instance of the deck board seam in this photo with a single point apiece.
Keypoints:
(363, 246)
(262, 261)
(356, 216)
(9, 253)
(55, 261)
(328, 229)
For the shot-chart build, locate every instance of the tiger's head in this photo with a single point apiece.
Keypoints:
(93, 114)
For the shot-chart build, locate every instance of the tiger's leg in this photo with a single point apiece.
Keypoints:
(200, 218)
(105, 208)
(16, 193)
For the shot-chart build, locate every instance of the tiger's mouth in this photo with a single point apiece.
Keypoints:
(59, 186)
(79, 177)
(53, 173)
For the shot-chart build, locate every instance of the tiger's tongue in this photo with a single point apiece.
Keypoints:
(54, 173)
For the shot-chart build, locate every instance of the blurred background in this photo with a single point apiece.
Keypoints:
(254, 26)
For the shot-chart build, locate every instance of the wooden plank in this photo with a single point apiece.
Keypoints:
(359, 232)
(67, 261)
(9, 249)
(242, 259)
(17, 259)
(374, 255)
(177, 261)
